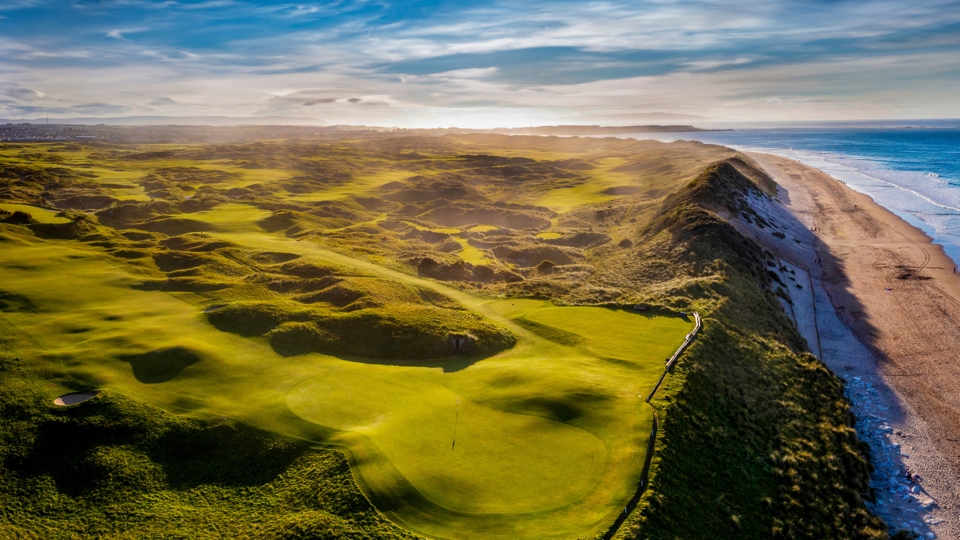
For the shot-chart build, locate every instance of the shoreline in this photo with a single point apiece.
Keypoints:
(879, 297)
(907, 192)
(834, 168)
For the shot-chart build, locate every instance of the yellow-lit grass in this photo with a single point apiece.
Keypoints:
(43, 215)
(550, 437)
(364, 185)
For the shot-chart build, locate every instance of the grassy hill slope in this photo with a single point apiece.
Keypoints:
(756, 440)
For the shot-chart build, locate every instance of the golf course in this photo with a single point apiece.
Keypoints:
(543, 439)
(376, 335)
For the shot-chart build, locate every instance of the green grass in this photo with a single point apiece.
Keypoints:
(468, 253)
(592, 192)
(445, 230)
(230, 218)
(471, 254)
(551, 433)
(365, 184)
(502, 462)
(550, 437)
(42, 215)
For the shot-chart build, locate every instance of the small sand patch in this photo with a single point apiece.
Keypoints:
(72, 399)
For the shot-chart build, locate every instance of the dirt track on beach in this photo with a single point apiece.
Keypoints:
(898, 294)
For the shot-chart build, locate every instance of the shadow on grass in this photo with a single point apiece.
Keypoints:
(108, 445)
(161, 365)
(450, 364)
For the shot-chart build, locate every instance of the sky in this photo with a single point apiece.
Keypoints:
(482, 63)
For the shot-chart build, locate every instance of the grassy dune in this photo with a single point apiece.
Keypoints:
(276, 300)
(549, 437)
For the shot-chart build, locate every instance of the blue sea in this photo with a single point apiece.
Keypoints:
(912, 171)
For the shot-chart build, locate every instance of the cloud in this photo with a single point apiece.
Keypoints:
(408, 62)
(85, 109)
(120, 33)
(20, 93)
(209, 4)
(163, 102)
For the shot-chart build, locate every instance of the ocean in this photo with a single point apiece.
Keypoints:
(914, 172)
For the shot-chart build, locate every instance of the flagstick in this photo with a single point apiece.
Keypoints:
(455, 423)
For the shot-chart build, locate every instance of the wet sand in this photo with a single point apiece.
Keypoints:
(879, 303)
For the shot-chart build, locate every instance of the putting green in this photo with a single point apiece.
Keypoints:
(441, 440)
(550, 435)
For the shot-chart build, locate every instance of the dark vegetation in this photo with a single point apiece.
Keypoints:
(756, 438)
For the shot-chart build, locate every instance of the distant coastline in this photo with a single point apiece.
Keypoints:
(141, 130)
(574, 130)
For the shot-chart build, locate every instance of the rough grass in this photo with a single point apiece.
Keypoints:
(397, 330)
(756, 438)
(112, 467)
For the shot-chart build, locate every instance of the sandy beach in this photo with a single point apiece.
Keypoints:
(877, 301)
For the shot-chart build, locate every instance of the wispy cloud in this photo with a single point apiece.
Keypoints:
(121, 33)
(430, 61)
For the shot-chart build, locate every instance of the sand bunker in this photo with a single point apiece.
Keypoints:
(72, 399)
